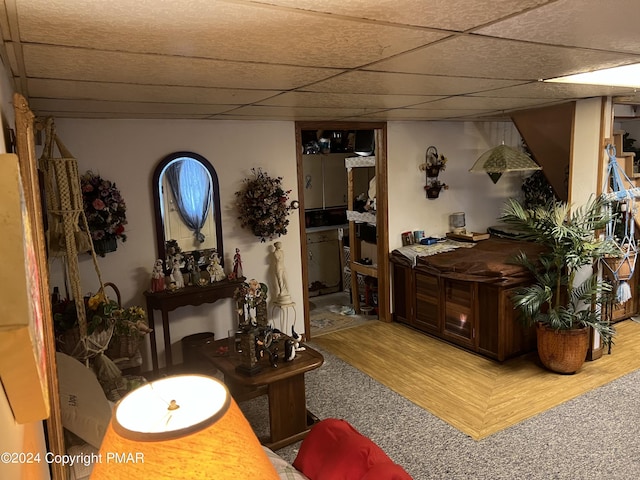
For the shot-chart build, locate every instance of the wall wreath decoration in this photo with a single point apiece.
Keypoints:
(263, 205)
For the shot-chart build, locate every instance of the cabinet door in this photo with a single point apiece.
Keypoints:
(312, 181)
(403, 294)
(335, 181)
(459, 324)
(427, 303)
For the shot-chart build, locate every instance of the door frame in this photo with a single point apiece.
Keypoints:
(382, 223)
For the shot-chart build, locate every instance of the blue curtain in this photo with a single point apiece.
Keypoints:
(191, 187)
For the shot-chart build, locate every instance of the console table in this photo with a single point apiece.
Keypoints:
(169, 300)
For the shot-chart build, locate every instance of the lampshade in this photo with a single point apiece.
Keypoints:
(185, 426)
(501, 159)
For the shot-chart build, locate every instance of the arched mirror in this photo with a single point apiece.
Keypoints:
(186, 198)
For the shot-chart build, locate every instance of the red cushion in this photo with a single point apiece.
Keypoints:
(335, 450)
(386, 471)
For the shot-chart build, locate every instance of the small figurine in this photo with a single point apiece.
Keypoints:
(237, 264)
(176, 275)
(194, 271)
(157, 276)
(216, 272)
(297, 338)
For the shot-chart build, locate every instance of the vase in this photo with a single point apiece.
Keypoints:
(433, 192)
(562, 351)
(105, 245)
(433, 171)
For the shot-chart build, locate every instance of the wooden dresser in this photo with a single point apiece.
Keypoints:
(463, 297)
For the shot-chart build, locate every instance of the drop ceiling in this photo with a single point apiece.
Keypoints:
(314, 60)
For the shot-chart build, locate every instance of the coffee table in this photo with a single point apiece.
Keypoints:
(289, 418)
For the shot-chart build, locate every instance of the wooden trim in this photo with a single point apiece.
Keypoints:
(25, 143)
(384, 303)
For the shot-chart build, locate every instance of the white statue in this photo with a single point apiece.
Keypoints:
(281, 275)
(216, 272)
(176, 274)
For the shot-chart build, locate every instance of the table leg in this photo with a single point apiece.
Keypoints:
(152, 339)
(167, 340)
(287, 411)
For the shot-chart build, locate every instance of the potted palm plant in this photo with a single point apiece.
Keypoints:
(565, 298)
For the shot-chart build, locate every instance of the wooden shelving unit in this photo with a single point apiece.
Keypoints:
(355, 217)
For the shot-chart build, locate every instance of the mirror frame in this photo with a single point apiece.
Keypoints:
(157, 201)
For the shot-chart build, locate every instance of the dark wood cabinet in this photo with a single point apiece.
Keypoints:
(474, 315)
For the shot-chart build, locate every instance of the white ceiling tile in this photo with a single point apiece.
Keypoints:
(127, 107)
(481, 103)
(555, 90)
(456, 15)
(39, 87)
(611, 25)
(474, 56)
(295, 112)
(346, 100)
(101, 66)
(219, 30)
(380, 83)
(273, 59)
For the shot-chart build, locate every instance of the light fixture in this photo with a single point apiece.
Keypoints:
(622, 76)
(502, 159)
(184, 426)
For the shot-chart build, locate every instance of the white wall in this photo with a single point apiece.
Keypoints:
(127, 151)
(472, 193)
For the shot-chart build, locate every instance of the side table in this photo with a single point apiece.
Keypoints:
(168, 300)
(289, 419)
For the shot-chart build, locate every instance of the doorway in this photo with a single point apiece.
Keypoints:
(330, 203)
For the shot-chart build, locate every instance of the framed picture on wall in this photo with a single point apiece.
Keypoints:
(23, 364)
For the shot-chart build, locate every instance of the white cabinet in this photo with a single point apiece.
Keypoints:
(325, 180)
(323, 250)
(335, 181)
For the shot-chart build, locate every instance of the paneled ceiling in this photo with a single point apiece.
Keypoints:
(316, 60)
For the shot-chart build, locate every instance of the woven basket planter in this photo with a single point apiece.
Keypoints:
(562, 351)
(122, 346)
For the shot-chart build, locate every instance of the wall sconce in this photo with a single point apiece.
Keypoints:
(184, 426)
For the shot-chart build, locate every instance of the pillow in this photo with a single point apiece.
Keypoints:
(334, 449)
(284, 470)
(84, 407)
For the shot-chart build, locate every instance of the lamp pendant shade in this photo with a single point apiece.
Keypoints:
(501, 159)
(216, 442)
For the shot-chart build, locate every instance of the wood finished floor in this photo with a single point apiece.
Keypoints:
(476, 395)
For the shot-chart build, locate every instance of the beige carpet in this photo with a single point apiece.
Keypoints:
(476, 395)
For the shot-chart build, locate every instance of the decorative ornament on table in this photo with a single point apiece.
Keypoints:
(216, 272)
(105, 210)
(157, 276)
(263, 205)
(173, 252)
(176, 279)
(237, 264)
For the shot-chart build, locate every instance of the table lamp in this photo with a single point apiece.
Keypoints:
(184, 426)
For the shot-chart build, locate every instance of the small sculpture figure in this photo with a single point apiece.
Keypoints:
(297, 338)
(237, 264)
(216, 272)
(194, 271)
(176, 275)
(157, 276)
(281, 275)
